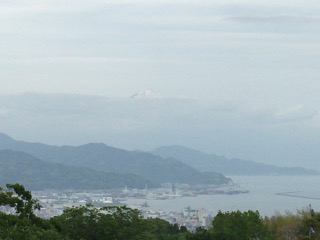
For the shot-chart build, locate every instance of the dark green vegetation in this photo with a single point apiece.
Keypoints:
(101, 157)
(120, 223)
(209, 162)
(239, 225)
(36, 174)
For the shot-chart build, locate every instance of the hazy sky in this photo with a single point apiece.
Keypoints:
(265, 50)
(250, 68)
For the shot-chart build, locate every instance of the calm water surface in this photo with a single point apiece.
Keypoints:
(262, 196)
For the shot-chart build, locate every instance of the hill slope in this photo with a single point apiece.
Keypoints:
(209, 162)
(104, 158)
(36, 174)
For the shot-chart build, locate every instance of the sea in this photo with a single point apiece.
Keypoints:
(296, 193)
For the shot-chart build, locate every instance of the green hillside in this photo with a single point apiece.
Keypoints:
(37, 174)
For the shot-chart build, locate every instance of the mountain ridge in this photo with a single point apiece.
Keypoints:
(234, 166)
(99, 156)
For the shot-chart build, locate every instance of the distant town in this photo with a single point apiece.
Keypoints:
(53, 202)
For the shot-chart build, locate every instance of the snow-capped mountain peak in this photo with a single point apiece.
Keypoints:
(145, 94)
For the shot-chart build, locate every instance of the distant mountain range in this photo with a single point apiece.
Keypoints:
(36, 174)
(101, 157)
(98, 166)
(209, 162)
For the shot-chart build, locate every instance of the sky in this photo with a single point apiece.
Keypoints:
(235, 78)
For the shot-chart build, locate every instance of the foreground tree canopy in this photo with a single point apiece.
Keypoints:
(120, 223)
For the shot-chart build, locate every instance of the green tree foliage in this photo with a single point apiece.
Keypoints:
(162, 230)
(285, 226)
(113, 223)
(20, 199)
(200, 234)
(25, 225)
(15, 228)
(239, 226)
(305, 224)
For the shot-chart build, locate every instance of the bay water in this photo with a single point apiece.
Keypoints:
(263, 196)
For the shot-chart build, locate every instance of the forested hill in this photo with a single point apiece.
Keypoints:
(37, 174)
(101, 157)
(207, 162)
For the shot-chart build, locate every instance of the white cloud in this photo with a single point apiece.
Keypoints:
(295, 113)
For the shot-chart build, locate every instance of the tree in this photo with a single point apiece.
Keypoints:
(238, 225)
(286, 226)
(16, 196)
(86, 222)
(25, 225)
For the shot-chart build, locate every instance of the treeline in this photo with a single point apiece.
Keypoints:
(122, 223)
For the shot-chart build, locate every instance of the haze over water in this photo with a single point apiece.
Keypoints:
(262, 196)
